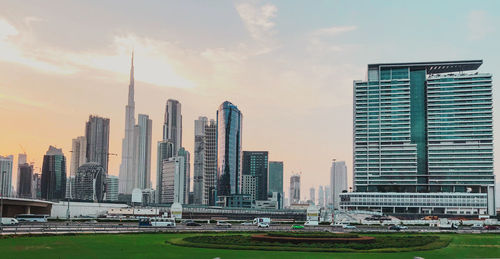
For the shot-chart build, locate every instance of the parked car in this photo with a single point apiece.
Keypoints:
(192, 224)
(297, 227)
(223, 224)
(490, 227)
(347, 226)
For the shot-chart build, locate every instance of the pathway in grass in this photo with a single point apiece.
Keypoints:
(154, 246)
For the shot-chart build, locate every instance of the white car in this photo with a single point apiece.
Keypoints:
(9, 221)
(349, 227)
(263, 225)
(247, 223)
(223, 224)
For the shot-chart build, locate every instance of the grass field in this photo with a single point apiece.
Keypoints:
(154, 246)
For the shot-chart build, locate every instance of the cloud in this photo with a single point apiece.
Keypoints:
(334, 30)
(258, 20)
(479, 24)
(323, 40)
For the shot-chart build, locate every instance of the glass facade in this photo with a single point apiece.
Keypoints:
(276, 176)
(53, 175)
(423, 127)
(255, 163)
(229, 121)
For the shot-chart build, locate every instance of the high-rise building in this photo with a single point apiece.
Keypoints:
(78, 155)
(25, 181)
(53, 174)
(97, 136)
(210, 164)
(172, 126)
(276, 177)
(36, 186)
(321, 197)
(294, 189)
(229, 121)
(424, 128)
(328, 197)
(165, 151)
(338, 181)
(112, 183)
(70, 187)
(142, 154)
(249, 186)
(127, 167)
(256, 163)
(186, 173)
(90, 181)
(6, 164)
(199, 156)
(173, 181)
(312, 195)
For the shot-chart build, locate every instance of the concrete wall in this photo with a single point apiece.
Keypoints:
(82, 209)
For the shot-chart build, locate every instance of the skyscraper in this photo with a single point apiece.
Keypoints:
(25, 181)
(6, 164)
(127, 176)
(424, 131)
(199, 156)
(97, 136)
(229, 121)
(186, 173)
(142, 154)
(312, 195)
(112, 183)
(210, 164)
(90, 181)
(53, 174)
(321, 197)
(295, 189)
(338, 181)
(172, 126)
(255, 163)
(165, 151)
(276, 176)
(78, 155)
(173, 181)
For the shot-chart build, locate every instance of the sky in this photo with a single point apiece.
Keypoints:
(287, 65)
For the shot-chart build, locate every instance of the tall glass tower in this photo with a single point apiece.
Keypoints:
(229, 120)
(424, 128)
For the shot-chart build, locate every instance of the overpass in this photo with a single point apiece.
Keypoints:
(14, 206)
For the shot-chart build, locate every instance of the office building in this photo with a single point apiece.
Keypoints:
(275, 177)
(6, 165)
(255, 163)
(37, 186)
(142, 153)
(321, 197)
(210, 164)
(186, 173)
(229, 121)
(78, 153)
(53, 186)
(423, 129)
(328, 196)
(97, 136)
(199, 157)
(338, 181)
(172, 126)
(127, 168)
(70, 187)
(312, 195)
(165, 151)
(294, 189)
(249, 186)
(90, 181)
(173, 181)
(112, 183)
(25, 181)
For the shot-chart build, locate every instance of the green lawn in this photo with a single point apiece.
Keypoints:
(154, 246)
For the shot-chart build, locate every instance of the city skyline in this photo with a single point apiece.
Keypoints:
(59, 118)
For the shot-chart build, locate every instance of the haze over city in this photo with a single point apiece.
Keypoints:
(288, 66)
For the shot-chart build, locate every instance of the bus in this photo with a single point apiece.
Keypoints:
(32, 217)
(157, 222)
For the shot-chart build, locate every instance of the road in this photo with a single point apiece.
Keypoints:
(132, 227)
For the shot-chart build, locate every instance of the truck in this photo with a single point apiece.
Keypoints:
(262, 221)
(9, 221)
(445, 224)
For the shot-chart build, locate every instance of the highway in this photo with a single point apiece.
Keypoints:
(132, 227)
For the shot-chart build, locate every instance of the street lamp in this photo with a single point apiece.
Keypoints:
(1, 202)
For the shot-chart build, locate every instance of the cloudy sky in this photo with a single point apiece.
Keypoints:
(288, 66)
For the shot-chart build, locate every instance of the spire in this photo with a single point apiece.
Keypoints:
(131, 85)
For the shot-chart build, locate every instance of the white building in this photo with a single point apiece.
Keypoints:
(199, 156)
(78, 154)
(321, 197)
(6, 163)
(173, 180)
(142, 153)
(112, 184)
(338, 181)
(249, 185)
(312, 195)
